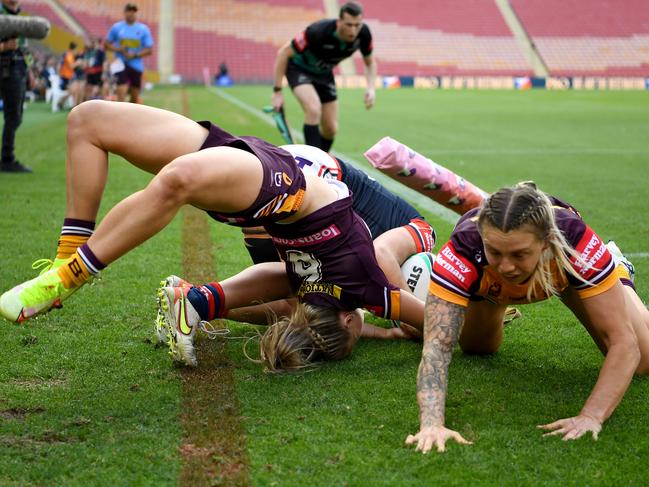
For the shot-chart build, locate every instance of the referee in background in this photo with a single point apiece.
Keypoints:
(308, 61)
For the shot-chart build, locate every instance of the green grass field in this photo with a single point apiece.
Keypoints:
(86, 398)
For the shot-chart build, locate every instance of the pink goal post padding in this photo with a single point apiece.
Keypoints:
(409, 167)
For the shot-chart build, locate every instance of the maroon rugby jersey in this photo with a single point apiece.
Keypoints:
(330, 261)
(462, 273)
(282, 189)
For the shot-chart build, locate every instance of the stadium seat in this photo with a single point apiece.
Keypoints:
(603, 38)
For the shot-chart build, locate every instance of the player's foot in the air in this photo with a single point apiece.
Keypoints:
(45, 265)
(34, 297)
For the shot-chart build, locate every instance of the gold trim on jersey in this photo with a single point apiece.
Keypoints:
(442, 293)
(496, 290)
(395, 304)
(605, 285)
(283, 203)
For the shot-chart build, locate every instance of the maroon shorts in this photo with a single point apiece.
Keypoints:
(282, 189)
(129, 76)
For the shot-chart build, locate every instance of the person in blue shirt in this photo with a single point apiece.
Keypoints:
(131, 41)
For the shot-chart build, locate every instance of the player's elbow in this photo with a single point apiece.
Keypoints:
(627, 348)
(642, 362)
(384, 253)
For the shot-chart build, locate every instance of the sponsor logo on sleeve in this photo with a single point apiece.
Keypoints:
(454, 268)
(593, 255)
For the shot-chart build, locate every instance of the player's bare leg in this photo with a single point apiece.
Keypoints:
(329, 124)
(392, 248)
(210, 179)
(121, 91)
(482, 332)
(135, 94)
(147, 137)
(310, 102)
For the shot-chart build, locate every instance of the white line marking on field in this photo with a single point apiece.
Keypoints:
(394, 186)
(637, 255)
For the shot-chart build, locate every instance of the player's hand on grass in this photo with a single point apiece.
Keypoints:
(410, 332)
(277, 101)
(435, 436)
(573, 428)
(397, 334)
(370, 96)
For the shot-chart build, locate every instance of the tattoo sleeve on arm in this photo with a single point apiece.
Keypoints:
(442, 324)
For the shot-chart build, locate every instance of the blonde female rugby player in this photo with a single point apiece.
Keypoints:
(523, 246)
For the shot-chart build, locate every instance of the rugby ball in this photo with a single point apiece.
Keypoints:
(416, 272)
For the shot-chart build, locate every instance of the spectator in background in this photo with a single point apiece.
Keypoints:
(222, 78)
(308, 62)
(107, 90)
(66, 73)
(48, 72)
(14, 60)
(78, 84)
(38, 83)
(94, 62)
(131, 41)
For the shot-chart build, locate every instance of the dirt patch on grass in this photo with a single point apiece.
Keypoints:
(37, 383)
(213, 449)
(47, 438)
(19, 413)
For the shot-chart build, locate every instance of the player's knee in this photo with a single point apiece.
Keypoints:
(174, 182)
(82, 117)
(313, 112)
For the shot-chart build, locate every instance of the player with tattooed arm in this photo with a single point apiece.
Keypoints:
(523, 246)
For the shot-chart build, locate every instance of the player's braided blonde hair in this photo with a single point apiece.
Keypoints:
(311, 334)
(524, 204)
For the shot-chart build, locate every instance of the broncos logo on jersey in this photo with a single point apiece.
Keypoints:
(315, 161)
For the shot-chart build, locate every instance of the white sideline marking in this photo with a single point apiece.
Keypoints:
(637, 255)
(394, 186)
